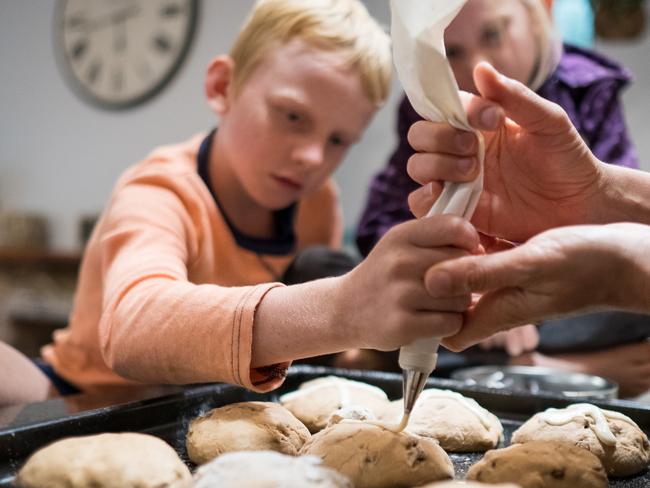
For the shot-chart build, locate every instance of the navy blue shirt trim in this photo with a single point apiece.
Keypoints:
(284, 240)
(62, 386)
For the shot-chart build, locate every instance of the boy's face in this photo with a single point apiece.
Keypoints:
(498, 31)
(291, 122)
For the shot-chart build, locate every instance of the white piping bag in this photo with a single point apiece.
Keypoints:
(417, 31)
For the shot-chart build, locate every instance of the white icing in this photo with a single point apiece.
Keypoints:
(342, 385)
(351, 412)
(482, 414)
(403, 423)
(395, 428)
(594, 416)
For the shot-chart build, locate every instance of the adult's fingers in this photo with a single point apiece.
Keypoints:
(501, 310)
(437, 137)
(520, 103)
(427, 167)
(482, 273)
(482, 114)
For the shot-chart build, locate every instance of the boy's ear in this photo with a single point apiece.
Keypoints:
(217, 83)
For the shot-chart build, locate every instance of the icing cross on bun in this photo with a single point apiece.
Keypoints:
(616, 439)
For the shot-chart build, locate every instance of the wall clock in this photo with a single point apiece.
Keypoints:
(119, 53)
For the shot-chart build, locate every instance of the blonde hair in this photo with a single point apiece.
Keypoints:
(548, 39)
(333, 25)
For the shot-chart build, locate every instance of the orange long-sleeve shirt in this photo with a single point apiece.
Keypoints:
(165, 294)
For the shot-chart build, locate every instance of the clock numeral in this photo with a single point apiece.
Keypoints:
(162, 44)
(171, 10)
(79, 49)
(94, 71)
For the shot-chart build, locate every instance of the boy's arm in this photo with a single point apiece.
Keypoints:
(159, 327)
(156, 326)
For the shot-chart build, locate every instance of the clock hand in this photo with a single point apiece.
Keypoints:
(113, 18)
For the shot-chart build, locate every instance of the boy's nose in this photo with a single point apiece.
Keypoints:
(310, 154)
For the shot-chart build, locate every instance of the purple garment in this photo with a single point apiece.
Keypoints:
(585, 84)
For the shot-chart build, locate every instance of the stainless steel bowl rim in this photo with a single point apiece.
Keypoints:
(591, 385)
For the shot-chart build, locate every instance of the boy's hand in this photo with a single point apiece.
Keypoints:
(561, 271)
(539, 173)
(383, 301)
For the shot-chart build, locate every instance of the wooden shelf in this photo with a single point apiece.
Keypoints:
(9, 257)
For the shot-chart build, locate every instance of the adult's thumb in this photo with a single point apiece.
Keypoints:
(521, 104)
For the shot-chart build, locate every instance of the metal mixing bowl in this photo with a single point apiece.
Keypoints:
(533, 379)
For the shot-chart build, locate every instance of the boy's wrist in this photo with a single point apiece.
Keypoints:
(340, 313)
(298, 321)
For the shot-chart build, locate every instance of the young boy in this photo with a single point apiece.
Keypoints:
(179, 282)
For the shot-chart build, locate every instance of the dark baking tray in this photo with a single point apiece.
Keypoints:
(167, 416)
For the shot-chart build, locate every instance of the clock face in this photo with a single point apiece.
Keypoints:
(119, 53)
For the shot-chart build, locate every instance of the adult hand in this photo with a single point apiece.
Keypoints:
(559, 272)
(539, 173)
(383, 304)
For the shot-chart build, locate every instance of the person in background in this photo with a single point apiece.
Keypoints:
(518, 38)
(584, 225)
(182, 279)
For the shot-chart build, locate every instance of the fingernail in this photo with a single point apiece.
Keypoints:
(465, 166)
(490, 118)
(439, 284)
(429, 189)
(465, 140)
